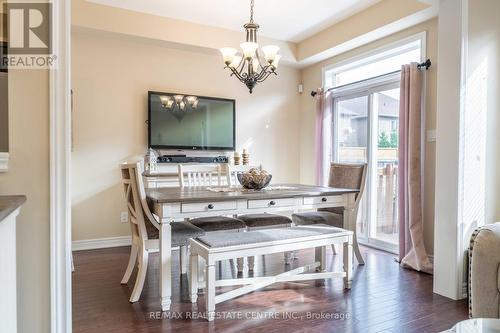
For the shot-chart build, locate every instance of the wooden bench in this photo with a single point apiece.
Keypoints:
(216, 247)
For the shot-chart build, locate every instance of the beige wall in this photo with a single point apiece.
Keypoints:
(312, 79)
(111, 77)
(371, 19)
(29, 174)
(4, 112)
(483, 73)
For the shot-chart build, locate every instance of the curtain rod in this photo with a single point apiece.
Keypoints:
(425, 64)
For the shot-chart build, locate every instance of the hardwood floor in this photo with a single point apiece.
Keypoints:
(384, 298)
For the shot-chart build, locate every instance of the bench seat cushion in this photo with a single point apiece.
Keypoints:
(266, 235)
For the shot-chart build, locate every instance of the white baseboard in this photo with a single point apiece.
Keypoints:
(100, 243)
(103, 243)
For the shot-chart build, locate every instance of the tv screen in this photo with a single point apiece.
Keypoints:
(179, 121)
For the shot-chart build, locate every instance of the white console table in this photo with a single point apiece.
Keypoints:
(9, 209)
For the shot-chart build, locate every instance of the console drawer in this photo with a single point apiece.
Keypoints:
(208, 206)
(285, 202)
(328, 199)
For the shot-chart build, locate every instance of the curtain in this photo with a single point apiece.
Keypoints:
(412, 253)
(323, 136)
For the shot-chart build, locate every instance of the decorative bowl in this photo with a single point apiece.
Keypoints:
(254, 181)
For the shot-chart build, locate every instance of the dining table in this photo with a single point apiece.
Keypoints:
(171, 204)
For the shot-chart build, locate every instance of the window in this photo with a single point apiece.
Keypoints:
(365, 130)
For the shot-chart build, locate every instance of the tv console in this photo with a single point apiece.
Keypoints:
(192, 159)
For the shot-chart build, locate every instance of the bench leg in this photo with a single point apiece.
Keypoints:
(183, 251)
(193, 277)
(210, 291)
(251, 262)
(348, 263)
(320, 256)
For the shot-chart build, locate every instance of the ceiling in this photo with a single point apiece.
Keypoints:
(288, 20)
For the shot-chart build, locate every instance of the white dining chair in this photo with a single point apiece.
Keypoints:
(144, 228)
(256, 221)
(206, 175)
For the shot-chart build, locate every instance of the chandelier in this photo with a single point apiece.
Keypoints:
(250, 68)
(179, 102)
(178, 105)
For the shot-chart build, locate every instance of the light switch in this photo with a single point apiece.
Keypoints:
(431, 135)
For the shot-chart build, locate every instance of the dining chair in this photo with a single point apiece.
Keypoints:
(256, 221)
(145, 229)
(197, 175)
(206, 175)
(351, 176)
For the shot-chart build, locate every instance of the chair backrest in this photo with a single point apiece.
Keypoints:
(140, 216)
(352, 176)
(200, 175)
(232, 172)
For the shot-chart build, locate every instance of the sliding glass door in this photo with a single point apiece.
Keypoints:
(365, 130)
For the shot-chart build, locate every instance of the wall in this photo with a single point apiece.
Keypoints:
(29, 174)
(4, 112)
(312, 79)
(111, 77)
(483, 85)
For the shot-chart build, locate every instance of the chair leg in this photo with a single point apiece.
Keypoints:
(334, 250)
(251, 263)
(239, 264)
(183, 252)
(357, 252)
(131, 263)
(141, 276)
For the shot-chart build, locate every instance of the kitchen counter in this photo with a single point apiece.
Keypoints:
(9, 203)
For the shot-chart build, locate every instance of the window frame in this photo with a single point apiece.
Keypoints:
(374, 55)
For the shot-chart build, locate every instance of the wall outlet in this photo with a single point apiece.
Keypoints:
(124, 217)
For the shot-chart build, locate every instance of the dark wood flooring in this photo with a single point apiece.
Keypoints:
(383, 298)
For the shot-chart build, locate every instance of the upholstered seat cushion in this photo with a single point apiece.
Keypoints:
(181, 232)
(264, 220)
(266, 235)
(217, 223)
(336, 210)
(320, 217)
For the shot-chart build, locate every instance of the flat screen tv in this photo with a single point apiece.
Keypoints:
(187, 122)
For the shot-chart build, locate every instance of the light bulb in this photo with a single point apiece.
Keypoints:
(191, 100)
(255, 63)
(275, 62)
(228, 54)
(182, 105)
(178, 98)
(249, 49)
(270, 52)
(236, 62)
(165, 100)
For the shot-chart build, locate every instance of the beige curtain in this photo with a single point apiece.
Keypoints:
(412, 253)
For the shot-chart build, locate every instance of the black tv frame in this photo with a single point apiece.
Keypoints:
(190, 147)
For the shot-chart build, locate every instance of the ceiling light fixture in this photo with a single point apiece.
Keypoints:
(250, 68)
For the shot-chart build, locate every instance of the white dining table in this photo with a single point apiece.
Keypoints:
(177, 204)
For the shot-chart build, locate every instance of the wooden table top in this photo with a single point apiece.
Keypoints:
(201, 194)
(9, 203)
